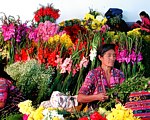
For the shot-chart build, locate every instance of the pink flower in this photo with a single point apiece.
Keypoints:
(76, 69)
(58, 61)
(84, 62)
(46, 30)
(66, 66)
(128, 59)
(139, 57)
(104, 28)
(33, 34)
(8, 31)
(25, 117)
(133, 56)
(122, 56)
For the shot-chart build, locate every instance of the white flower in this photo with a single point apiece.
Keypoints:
(48, 115)
(93, 54)
(99, 17)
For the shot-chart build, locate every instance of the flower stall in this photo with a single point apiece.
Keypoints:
(44, 57)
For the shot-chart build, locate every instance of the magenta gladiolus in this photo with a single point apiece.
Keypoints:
(139, 57)
(133, 56)
(128, 59)
(8, 31)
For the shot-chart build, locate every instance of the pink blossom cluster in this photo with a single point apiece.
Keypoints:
(44, 31)
(8, 31)
(67, 64)
(16, 31)
(125, 56)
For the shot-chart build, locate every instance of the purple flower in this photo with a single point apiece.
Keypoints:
(139, 57)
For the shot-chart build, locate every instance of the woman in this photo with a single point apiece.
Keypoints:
(101, 78)
(10, 96)
(145, 25)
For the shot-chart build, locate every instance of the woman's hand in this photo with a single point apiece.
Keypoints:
(102, 97)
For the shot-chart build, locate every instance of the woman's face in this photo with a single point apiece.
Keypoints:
(108, 58)
(141, 16)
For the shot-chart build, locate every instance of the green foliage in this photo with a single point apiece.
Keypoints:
(115, 20)
(121, 92)
(146, 57)
(15, 116)
(32, 79)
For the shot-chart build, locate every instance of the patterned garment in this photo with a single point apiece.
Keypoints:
(13, 99)
(95, 82)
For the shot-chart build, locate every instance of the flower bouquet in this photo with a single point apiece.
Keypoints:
(48, 13)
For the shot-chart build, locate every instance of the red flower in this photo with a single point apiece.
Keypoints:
(83, 118)
(96, 116)
(103, 40)
(17, 58)
(48, 11)
(144, 118)
(24, 55)
(52, 58)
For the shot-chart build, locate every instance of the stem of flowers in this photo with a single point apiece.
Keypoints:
(66, 83)
(79, 81)
(56, 81)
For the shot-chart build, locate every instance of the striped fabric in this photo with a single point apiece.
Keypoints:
(139, 102)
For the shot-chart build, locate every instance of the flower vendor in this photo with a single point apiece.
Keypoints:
(98, 80)
(145, 25)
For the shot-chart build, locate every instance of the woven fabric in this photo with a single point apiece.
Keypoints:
(139, 102)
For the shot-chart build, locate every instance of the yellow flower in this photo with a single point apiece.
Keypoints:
(88, 16)
(135, 32)
(104, 21)
(54, 40)
(62, 23)
(26, 107)
(38, 113)
(121, 113)
(55, 118)
(95, 24)
(119, 107)
(66, 40)
(147, 38)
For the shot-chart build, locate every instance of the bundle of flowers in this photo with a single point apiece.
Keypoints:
(32, 79)
(73, 28)
(14, 35)
(32, 113)
(40, 113)
(94, 21)
(48, 13)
